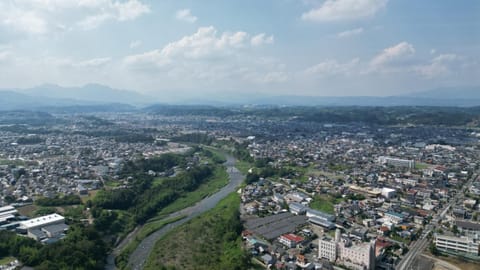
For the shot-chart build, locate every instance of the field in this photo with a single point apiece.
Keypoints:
(145, 231)
(324, 203)
(243, 166)
(212, 185)
(462, 264)
(27, 210)
(90, 196)
(6, 260)
(210, 241)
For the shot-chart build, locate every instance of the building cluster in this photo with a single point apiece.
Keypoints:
(45, 229)
(354, 195)
(343, 251)
(384, 186)
(75, 156)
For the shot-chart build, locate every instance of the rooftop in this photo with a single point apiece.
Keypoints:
(41, 221)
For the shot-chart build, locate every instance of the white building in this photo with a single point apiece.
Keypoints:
(389, 193)
(397, 162)
(327, 249)
(290, 240)
(358, 257)
(6, 213)
(456, 244)
(471, 229)
(46, 229)
(43, 221)
(392, 217)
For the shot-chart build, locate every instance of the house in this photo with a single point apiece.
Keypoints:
(290, 240)
(297, 208)
(393, 217)
(47, 228)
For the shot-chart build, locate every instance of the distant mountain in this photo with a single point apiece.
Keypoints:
(10, 100)
(91, 93)
(364, 101)
(88, 98)
(96, 97)
(460, 93)
(453, 96)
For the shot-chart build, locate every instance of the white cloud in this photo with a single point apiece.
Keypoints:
(261, 39)
(43, 16)
(209, 55)
(439, 66)
(119, 11)
(350, 33)
(92, 22)
(393, 55)
(135, 44)
(22, 20)
(95, 62)
(332, 67)
(4, 55)
(204, 43)
(185, 15)
(130, 10)
(339, 10)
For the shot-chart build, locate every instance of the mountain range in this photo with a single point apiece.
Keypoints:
(94, 96)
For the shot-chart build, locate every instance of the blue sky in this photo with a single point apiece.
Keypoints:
(177, 49)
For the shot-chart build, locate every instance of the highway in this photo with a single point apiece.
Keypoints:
(140, 255)
(419, 246)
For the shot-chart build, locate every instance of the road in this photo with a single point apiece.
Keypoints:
(419, 246)
(139, 256)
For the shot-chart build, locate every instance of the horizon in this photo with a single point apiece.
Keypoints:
(182, 50)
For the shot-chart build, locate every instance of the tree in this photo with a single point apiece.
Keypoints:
(434, 250)
(455, 229)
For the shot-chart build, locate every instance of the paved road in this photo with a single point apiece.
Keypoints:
(418, 247)
(139, 256)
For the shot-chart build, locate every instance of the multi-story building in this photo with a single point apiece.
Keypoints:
(470, 229)
(456, 244)
(327, 249)
(343, 251)
(397, 162)
(290, 240)
(393, 217)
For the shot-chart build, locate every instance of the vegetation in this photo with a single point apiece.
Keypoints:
(210, 241)
(122, 259)
(323, 203)
(81, 249)
(6, 260)
(243, 166)
(401, 115)
(197, 138)
(30, 140)
(214, 183)
(58, 201)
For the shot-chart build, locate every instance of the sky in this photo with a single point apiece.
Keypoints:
(216, 48)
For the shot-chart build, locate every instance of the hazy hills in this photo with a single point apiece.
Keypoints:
(93, 97)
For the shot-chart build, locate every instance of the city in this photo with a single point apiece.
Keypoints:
(239, 135)
(316, 195)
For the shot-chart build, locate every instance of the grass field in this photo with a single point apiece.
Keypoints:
(28, 210)
(243, 166)
(90, 196)
(210, 241)
(462, 264)
(212, 185)
(323, 203)
(145, 231)
(6, 260)
(14, 162)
